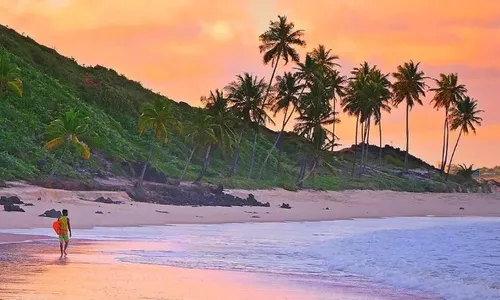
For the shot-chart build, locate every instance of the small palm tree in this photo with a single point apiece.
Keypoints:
(220, 129)
(158, 117)
(199, 132)
(67, 131)
(447, 94)
(278, 42)
(246, 95)
(465, 116)
(9, 77)
(287, 97)
(410, 86)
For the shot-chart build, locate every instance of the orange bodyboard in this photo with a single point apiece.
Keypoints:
(57, 226)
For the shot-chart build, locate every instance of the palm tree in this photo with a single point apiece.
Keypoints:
(379, 96)
(464, 116)
(9, 77)
(219, 130)
(288, 91)
(336, 84)
(324, 59)
(199, 130)
(67, 131)
(409, 86)
(159, 117)
(447, 93)
(246, 95)
(278, 43)
(315, 112)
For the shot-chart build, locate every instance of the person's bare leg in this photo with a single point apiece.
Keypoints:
(61, 247)
(65, 247)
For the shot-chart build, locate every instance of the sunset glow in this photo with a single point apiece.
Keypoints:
(185, 48)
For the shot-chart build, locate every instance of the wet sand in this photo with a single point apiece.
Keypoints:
(34, 271)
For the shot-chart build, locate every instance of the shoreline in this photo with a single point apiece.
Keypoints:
(306, 206)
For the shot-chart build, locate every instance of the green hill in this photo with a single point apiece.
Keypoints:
(54, 84)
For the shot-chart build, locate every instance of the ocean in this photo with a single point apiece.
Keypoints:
(393, 258)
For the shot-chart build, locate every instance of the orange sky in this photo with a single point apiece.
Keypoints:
(184, 48)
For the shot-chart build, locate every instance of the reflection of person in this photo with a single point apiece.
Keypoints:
(65, 228)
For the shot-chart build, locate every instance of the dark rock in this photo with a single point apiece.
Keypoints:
(285, 205)
(3, 184)
(51, 214)
(255, 217)
(99, 212)
(327, 208)
(10, 200)
(107, 200)
(218, 190)
(39, 198)
(162, 211)
(29, 204)
(12, 207)
(461, 208)
(138, 194)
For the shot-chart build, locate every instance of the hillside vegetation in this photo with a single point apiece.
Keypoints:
(54, 84)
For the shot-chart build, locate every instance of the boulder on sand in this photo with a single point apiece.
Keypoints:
(107, 200)
(10, 200)
(12, 207)
(51, 214)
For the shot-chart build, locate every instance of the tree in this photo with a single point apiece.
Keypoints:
(222, 121)
(199, 131)
(379, 96)
(9, 77)
(324, 59)
(409, 86)
(315, 112)
(464, 116)
(278, 43)
(447, 94)
(288, 91)
(246, 95)
(158, 117)
(67, 131)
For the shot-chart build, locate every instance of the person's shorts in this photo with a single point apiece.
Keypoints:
(64, 237)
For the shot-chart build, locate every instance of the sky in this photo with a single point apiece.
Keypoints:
(185, 48)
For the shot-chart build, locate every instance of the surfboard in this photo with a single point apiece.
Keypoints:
(57, 226)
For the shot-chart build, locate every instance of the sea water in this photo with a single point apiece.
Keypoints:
(396, 258)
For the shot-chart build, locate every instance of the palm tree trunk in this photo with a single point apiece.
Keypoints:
(453, 153)
(146, 163)
(380, 142)
(443, 163)
(302, 170)
(205, 164)
(270, 82)
(447, 141)
(236, 155)
(367, 151)
(252, 159)
(276, 140)
(355, 145)
(407, 138)
(188, 162)
(58, 161)
(308, 174)
(362, 143)
(333, 125)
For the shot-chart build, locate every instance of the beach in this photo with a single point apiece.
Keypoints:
(329, 245)
(305, 205)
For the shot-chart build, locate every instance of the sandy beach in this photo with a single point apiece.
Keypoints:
(306, 206)
(33, 271)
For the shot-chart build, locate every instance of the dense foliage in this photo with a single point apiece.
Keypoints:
(226, 141)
